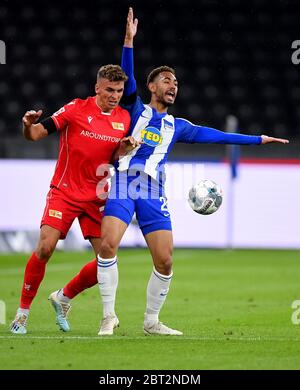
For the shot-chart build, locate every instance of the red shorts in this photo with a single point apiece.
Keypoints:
(60, 212)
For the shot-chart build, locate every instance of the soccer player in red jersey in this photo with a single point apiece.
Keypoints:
(91, 132)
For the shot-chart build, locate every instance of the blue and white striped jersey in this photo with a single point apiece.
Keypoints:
(160, 131)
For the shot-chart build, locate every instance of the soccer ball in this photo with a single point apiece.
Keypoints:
(205, 197)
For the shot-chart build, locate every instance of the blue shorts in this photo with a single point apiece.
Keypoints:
(142, 195)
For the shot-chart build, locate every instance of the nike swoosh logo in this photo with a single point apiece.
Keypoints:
(143, 116)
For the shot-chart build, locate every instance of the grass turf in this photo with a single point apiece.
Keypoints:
(234, 308)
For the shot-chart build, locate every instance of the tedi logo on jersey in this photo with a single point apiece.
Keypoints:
(151, 136)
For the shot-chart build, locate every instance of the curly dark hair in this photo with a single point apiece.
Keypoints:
(155, 72)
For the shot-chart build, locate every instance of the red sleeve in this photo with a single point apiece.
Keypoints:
(64, 115)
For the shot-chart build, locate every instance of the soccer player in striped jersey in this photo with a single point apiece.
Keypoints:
(138, 186)
(158, 131)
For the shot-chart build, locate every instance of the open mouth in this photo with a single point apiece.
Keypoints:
(171, 94)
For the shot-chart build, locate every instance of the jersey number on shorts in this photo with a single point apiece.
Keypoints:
(164, 206)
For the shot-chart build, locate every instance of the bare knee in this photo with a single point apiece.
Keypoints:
(164, 264)
(108, 248)
(44, 249)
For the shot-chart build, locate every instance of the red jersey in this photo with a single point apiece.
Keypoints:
(88, 138)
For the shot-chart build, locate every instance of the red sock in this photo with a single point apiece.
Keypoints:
(34, 274)
(86, 278)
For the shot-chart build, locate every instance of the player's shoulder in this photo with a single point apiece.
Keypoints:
(132, 103)
(183, 120)
(85, 106)
(78, 102)
(182, 123)
(74, 104)
(122, 112)
(90, 100)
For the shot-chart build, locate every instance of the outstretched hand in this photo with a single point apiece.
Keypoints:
(31, 117)
(268, 140)
(131, 28)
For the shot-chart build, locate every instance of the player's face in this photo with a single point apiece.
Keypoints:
(165, 88)
(109, 93)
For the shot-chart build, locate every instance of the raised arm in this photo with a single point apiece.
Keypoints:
(127, 53)
(33, 131)
(131, 29)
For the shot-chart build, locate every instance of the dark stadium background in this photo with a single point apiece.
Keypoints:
(231, 57)
(237, 302)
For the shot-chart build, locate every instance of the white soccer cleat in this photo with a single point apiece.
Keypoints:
(18, 326)
(108, 324)
(159, 328)
(61, 309)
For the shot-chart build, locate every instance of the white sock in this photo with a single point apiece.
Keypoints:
(108, 282)
(157, 291)
(23, 311)
(61, 297)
